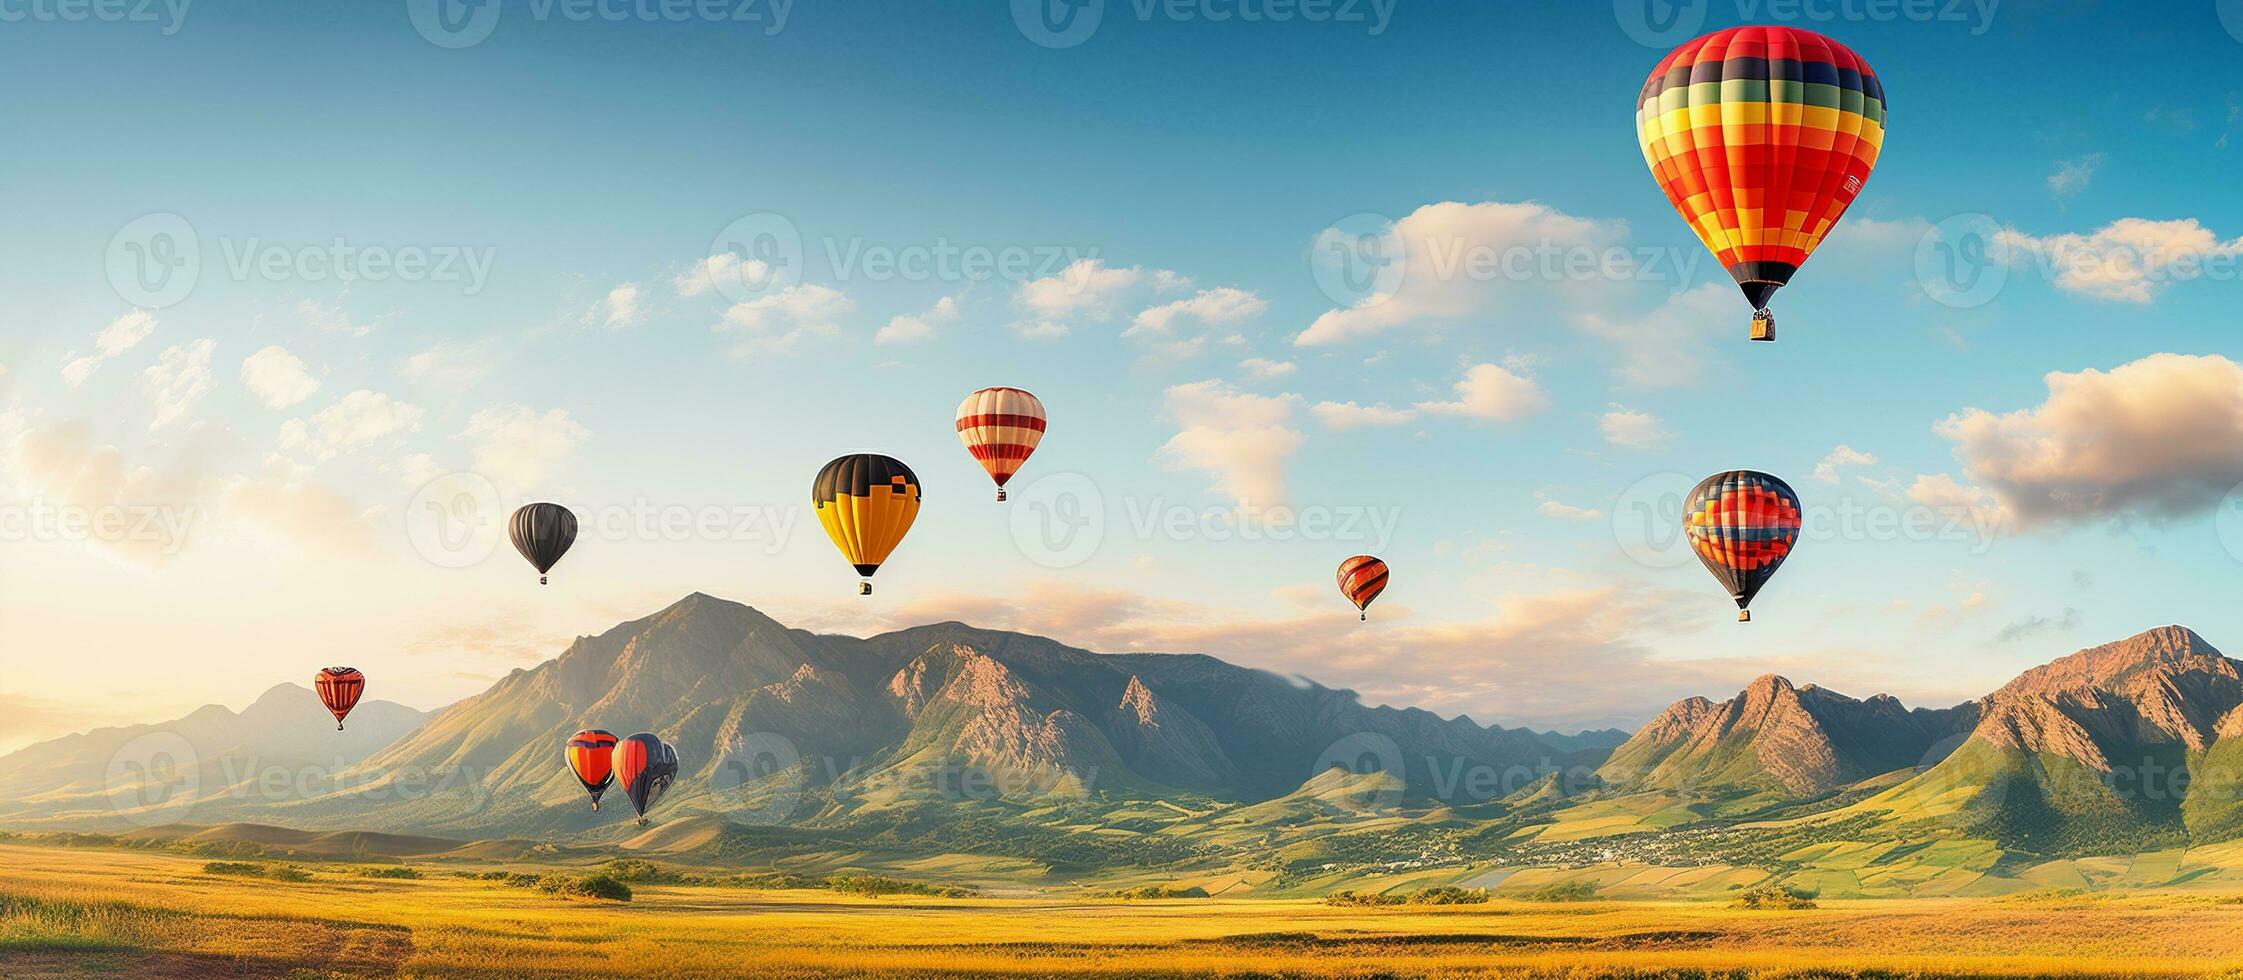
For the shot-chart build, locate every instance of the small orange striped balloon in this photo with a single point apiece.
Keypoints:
(339, 688)
(1362, 578)
(591, 758)
(1001, 426)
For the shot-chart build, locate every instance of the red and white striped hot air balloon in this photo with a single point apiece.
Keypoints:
(1001, 426)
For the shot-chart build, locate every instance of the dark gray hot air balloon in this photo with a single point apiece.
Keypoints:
(645, 766)
(542, 533)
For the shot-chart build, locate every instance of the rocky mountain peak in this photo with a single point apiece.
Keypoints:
(1137, 701)
(2128, 666)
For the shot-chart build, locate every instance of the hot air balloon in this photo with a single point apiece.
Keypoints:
(1761, 137)
(1001, 426)
(542, 533)
(1362, 578)
(1742, 525)
(645, 765)
(866, 502)
(339, 688)
(590, 754)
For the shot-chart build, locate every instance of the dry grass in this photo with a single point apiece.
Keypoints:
(142, 913)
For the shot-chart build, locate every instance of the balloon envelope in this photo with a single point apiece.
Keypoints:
(866, 502)
(542, 532)
(590, 756)
(1742, 525)
(1001, 427)
(1362, 578)
(645, 766)
(1761, 137)
(339, 688)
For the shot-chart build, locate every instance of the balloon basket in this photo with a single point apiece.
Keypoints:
(595, 806)
(1763, 325)
(1744, 615)
(338, 726)
(864, 588)
(1000, 495)
(1364, 617)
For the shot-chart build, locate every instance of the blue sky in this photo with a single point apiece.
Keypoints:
(1193, 164)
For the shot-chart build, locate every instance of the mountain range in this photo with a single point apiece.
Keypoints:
(947, 738)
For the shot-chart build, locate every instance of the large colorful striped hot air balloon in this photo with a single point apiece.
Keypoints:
(339, 688)
(590, 757)
(542, 532)
(1001, 426)
(1362, 578)
(645, 765)
(1742, 524)
(1761, 137)
(866, 503)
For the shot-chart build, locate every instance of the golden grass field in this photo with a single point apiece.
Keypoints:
(89, 911)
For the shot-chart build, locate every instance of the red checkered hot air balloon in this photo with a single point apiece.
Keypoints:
(1362, 578)
(339, 688)
(1742, 524)
(1761, 137)
(1001, 426)
(590, 757)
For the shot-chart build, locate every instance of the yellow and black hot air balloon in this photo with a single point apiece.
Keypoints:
(1761, 137)
(866, 502)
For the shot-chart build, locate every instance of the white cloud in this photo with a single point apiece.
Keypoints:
(1567, 512)
(291, 513)
(277, 378)
(755, 274)
(2072, 176)
(919, 329)
(516, 446)
(178, 379)
(1263, 369)
(448, 367)
(142, 514)
(358, 419)
(332, 319)
(417, 469)
(619, 309)
(2158, 437)
(1627, 427)
(2130, 260)
(1453, 266)
(121, 335)
(779, 323)
(1242, 439)
(1342, 416)
(1492, 393)
(1222, 306)
(1664, 348)
(1839, 458)
(1088, 290)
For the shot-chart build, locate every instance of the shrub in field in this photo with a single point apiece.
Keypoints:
(1450, 895)
(600, 887)
(397, 871)
(877, 885)
(1157, 891)
(1772, 897)
(1564, 891)
(237, 868)
(1361, 899)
